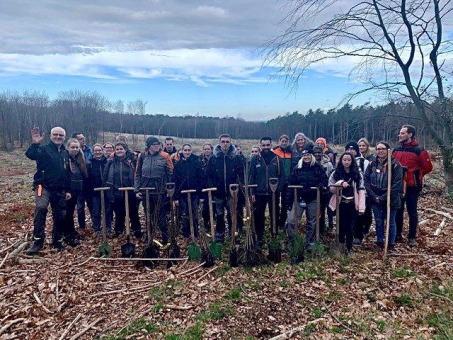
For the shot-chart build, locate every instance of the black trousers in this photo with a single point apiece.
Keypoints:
(363, 223)
(261, 201)
(120, 213)
(410, 201)
(348, 217)
(56, 199)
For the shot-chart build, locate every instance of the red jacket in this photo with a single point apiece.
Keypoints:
(415, 160)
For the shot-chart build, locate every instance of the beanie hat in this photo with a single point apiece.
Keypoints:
(317, 148)
(150, 141)
(354, 146)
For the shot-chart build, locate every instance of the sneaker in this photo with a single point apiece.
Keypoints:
(391, 248)
(35, 248)
(411, 242)
(398, 239)
(357, 242)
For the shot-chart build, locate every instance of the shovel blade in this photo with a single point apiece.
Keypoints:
(150, 252)
(105, 250)
(128, 249)
(216, 250)
(175, 252)
(194, 252)
(233, 257)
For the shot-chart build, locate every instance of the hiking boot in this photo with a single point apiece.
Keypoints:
(35, 248)
(357, 242)
(411, 242)
(391, 248)
(138, 234)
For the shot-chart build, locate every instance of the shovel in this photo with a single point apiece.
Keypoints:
(175, 251)
(206, 255)
(150, 251)
(104, 249)
(194, 251)
(337, 249)
(216, 248)
(275, 249)
(233, 251)
(127, 249)
(389, 188)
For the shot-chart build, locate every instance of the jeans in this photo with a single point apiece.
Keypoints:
(311, 210)
(348, 216)
(380, 215)
(82, 198)
(96, 214)
(69, 228)
(185, 219)
(410, 200)
(363, 222)
(56, 199)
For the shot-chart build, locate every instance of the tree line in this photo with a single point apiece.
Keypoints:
(92, 113)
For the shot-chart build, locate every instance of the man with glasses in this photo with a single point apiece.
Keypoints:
(417, 163)
(51, 184)
(84, 196)
(224, 168)
(154, 169)
(262, 167)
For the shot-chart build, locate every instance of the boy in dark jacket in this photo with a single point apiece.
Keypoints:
(264, 166)
(224, 168)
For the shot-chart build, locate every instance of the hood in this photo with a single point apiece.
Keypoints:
(412, 143)
(218, 151)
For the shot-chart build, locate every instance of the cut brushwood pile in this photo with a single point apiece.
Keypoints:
(65, 295)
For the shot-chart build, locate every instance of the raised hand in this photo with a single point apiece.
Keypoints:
(36, 137)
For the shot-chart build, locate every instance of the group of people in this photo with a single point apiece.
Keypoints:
(302, 177)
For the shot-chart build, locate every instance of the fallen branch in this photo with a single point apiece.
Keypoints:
(341, 323)
(439, 228)
(444, 214)
(127, 289)
(31, 261)
(18, 249)
(103, 259)
(87, 328)
(441, 296)
(9, 324)
(9, 247)
(177, 307)
(47, 310)
(70, 326)
(209, 272)
(187, 272)
(447, 209)
(291, 332)
(4, 259)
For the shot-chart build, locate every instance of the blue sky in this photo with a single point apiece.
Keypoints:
(181, 57)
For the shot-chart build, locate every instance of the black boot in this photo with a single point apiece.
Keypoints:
(73, 241)
(35, 248)
(57, 245)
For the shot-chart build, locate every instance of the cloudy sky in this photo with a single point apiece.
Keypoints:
(182, 57)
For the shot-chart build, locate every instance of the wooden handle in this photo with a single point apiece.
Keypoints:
(295, 186)
(209, 189)
(188, 191)
(102, 189)
(126, 189)
(147, 189)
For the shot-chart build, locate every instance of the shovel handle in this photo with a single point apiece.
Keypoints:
(147, 189)
(126, 189)
(234, 189)
(211, 212)
(209, 189)
(102, 189)
(188, 191)
(273, 184)
(170, 187)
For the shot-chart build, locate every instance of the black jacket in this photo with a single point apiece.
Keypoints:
(223, 170)
(260, 172)
(52, 164)
(119, 173)
(308, 176)
(96, 172)
(188, 174)
(376, 182)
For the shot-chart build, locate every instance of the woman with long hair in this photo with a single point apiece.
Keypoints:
(79, 176)
(376, 181)
(118, 173)
(300, 143)
(365, 150)
(347, 179)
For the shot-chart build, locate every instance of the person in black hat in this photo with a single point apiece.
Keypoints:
(307, 173)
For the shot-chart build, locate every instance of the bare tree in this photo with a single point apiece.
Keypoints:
(397, 47)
